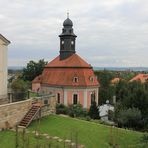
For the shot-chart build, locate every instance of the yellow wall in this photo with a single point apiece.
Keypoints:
(3, 69)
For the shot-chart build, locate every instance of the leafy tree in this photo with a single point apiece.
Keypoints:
(129, 117)
(93, 111)
(33, 69)
(19, 89)
(106, 90)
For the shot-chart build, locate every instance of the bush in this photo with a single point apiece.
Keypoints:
(76, 111)
(61, 109)
(129, 117)
(20, 89)
(93, 112)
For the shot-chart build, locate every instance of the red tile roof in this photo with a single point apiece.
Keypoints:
(37, 79)
(62, 72)
(140, 77)
(72, 61)
(115, 80)
(65, 76)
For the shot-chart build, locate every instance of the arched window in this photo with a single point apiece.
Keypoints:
(75, 79)
(93, 97)
(58, 98)
(75, 99)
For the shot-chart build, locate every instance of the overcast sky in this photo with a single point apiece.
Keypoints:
(110, 32)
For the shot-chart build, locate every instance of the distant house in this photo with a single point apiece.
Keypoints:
(143, 78)
(104, 111)
(115, 81)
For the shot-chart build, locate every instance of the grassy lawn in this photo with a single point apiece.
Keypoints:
(90, 134)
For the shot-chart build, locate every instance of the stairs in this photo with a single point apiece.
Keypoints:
(29, 116)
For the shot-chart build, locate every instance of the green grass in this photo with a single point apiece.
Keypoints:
(90, 134)
(33, 94)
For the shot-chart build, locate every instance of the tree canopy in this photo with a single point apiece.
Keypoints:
(33, 69)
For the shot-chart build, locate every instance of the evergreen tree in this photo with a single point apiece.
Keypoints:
(93, 112)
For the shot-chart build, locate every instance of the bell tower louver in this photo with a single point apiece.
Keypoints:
(67, 39)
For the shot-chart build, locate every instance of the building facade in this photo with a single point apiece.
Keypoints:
(68, 76)
(3, 69)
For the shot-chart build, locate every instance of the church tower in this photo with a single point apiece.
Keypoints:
(67, 39)
(3, 69)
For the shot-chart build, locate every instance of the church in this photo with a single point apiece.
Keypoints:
(3, 69)
(68, 76)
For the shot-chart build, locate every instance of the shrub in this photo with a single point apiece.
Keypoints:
(19, 89)
(76, 111)
(129, 117)
(61, 109)
(93, 112)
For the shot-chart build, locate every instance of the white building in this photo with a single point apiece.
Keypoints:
(3, 69)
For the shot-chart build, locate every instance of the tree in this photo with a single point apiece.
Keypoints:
(19, 89)
(33, 69)
(130, 117)
(106, 90)
(93, 112)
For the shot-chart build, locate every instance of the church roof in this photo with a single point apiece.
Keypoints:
(67, 22)
(65, 77)
(62, 72)
(37, 79)
(73, 61)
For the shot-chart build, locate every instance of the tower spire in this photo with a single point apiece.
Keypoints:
(67, 39)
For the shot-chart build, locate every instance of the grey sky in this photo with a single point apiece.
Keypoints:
(110, 32)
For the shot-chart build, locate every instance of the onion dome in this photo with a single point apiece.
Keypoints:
(67, 22)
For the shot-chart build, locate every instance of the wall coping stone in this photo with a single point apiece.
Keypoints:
(14, 103)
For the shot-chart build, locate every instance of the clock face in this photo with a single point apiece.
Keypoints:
(72, 42)
(62, 42)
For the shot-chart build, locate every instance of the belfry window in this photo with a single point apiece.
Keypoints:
(72, 42)
(62, 42)
(75, 99)
(75, 79)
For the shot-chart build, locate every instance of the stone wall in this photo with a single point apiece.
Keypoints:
(49, 108)
(3, 99)
(12, 113)
(47, 103)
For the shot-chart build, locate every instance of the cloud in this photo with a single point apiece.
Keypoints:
(110, 32)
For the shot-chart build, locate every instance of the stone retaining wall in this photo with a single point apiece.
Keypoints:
(12, 113)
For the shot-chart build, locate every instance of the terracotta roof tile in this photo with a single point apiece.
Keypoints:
(72, 61)
(62, 72)
(37, 79)
(140, 77)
